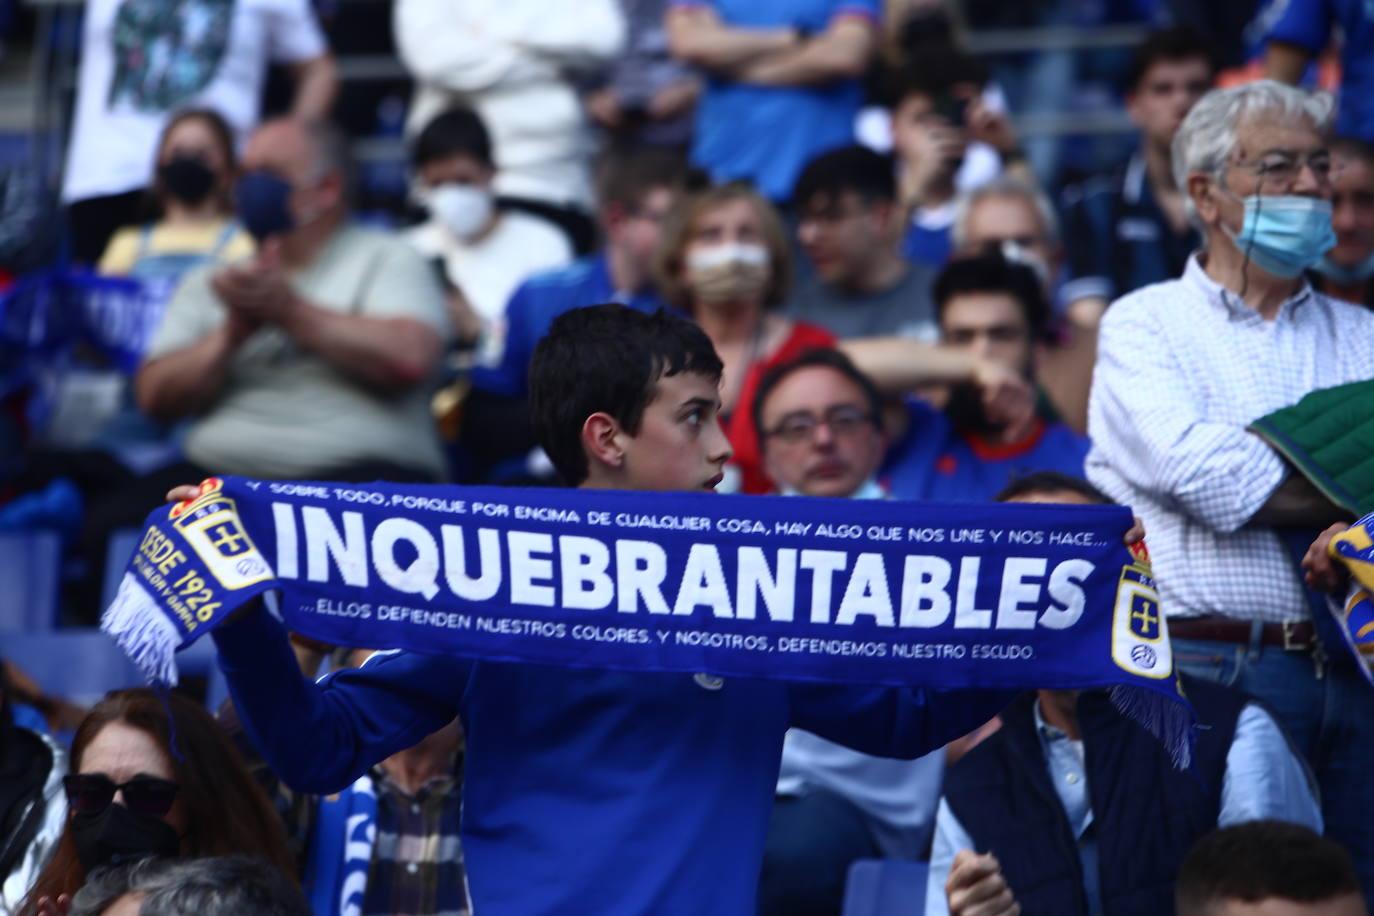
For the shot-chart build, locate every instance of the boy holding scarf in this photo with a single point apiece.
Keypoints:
(590, 791)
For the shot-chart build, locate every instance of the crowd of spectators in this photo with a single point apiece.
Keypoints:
(903, 296)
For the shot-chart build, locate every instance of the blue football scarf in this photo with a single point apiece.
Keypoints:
(340, 854)
(49, 312)
(994, 595)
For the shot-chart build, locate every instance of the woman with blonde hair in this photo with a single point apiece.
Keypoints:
(724, 259)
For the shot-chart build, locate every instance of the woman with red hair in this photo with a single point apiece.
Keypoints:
(154, 775)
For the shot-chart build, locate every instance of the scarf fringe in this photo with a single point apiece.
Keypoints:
(140, 627)
(1169, 721)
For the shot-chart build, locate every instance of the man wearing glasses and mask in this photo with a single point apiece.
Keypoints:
(1184, 367)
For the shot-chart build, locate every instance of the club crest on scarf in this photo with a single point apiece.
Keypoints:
(210, 525)
(1140, 640)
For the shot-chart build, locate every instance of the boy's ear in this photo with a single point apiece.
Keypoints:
(601, 440)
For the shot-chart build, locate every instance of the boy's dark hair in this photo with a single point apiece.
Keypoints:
(626, 175)
(933, 73)
(1260, 859)
(454, 132)
(831, 359)
(606, 358)
(853, 168)
(1052, 482)
(992, 273)
(1352, 148)
(1176, 44)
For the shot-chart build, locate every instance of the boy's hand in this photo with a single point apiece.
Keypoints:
(1135, 534)
(182, 493)
(1322, 572)
(975, 887)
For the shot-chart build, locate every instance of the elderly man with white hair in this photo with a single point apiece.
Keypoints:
(1183, 368)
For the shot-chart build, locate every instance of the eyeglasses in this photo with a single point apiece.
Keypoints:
(92, 793)
(842, 419)
(1284, 168)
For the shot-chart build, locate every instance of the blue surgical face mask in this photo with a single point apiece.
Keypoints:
(261, 201)
(1286, 234)
(1346, 276)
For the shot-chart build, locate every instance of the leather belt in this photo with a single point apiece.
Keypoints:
(1291, 636)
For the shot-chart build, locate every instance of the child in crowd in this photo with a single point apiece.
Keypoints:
(586, 791)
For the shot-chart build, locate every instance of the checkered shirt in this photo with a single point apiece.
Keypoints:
(1182, 368)
(417, 862)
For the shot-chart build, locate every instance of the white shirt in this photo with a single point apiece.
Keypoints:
(489, 270)
(141, 60)
(510, 61)
(1182, 368)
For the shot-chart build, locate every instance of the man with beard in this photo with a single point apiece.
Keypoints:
(997, 311)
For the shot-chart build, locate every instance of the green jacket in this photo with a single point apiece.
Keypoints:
(1329, 436)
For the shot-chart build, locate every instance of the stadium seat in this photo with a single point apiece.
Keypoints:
(30, 574)
(216, 690)
(118, 551)
(885, 887)
(80, 665)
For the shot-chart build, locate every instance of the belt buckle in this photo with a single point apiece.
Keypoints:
(1290, 643)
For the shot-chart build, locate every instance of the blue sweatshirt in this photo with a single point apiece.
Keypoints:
(584, 791)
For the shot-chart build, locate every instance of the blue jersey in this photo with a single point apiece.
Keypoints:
(923, 245)
(1307, 23)
(534, 306)
(1118, 239)
(602, 792)
(767, 134)
(935, 461)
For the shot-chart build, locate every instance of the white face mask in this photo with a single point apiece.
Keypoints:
(745, 253)
(464, 208)
(727, 272)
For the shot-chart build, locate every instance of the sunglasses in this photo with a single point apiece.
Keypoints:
(92, 793)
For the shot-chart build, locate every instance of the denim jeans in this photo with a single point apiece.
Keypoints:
(1329, 714)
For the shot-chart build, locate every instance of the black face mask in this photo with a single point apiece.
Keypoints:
(187, 179)
(119, 835)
